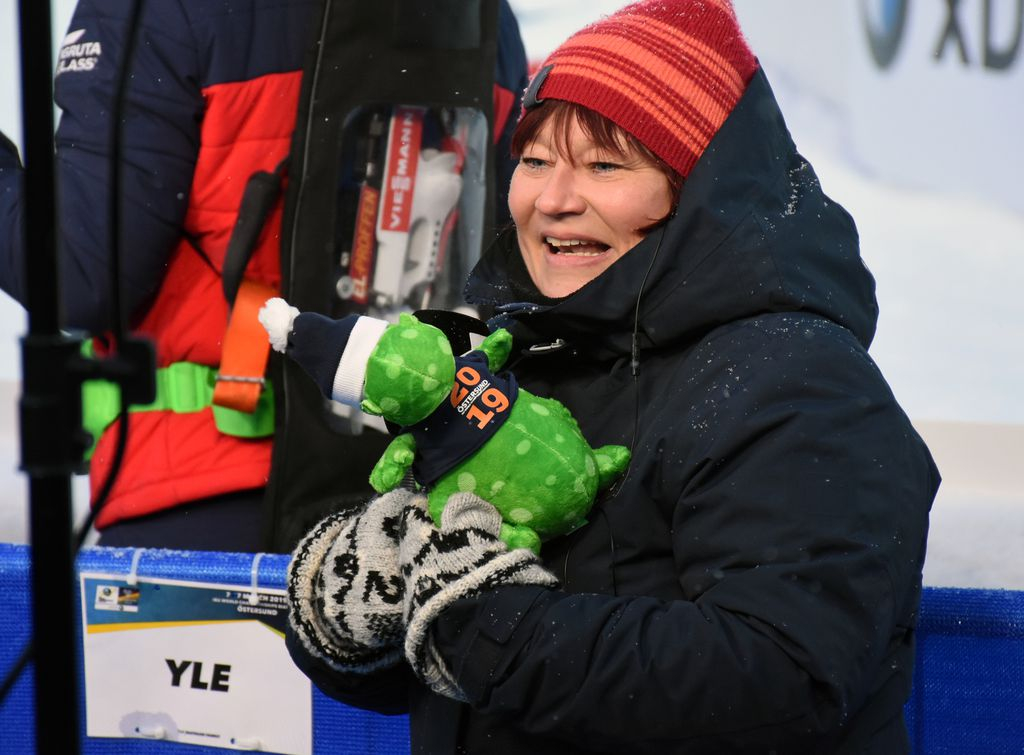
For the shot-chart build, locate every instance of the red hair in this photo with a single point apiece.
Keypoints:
(607, 135)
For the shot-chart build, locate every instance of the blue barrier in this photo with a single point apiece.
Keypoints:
(968, 680)
(337, 729)
(969, 673)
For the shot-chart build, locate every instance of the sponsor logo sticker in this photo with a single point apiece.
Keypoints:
(77, 55)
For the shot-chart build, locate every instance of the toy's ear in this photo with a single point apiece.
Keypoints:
(370, 407)
(497, 346)
(407, 319)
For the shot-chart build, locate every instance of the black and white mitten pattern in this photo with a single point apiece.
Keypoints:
(463, 557)
(345, 589)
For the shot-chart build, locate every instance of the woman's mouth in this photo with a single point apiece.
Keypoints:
(575, 247)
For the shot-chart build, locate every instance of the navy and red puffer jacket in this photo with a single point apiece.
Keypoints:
(212, 99)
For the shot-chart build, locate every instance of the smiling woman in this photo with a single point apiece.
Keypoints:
(583, 195)
(752, 583)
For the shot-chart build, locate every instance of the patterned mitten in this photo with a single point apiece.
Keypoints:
(345, 589)
(463, 557)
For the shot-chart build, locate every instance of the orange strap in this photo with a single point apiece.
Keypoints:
(243, 360)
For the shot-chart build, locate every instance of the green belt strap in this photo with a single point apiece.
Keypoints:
(183, 388)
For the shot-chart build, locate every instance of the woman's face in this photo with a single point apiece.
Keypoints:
(576, 214)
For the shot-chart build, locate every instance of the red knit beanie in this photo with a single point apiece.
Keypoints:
(668, 72)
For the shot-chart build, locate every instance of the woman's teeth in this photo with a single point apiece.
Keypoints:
(576, 247)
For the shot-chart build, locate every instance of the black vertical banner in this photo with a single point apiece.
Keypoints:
(437, 56)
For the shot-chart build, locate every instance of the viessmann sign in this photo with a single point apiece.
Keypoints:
(937, 93)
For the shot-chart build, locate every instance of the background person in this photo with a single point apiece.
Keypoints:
(752, 584)
(211, 100)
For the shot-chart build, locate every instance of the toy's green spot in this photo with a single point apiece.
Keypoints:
(432, 369)
(496, 487)
(579, 486)
(559, 438)
(389, 405)
(520, 516)
(550, 480)
(540, 409)
(523, 447)
(410, 333)
(591, 467)
(393, 371)
(571, 516)
(443, 345)
(430, 383)
(467, 482)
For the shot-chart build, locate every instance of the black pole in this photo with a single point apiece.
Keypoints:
(50, 436)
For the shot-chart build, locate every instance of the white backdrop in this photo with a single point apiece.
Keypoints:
(924, 154)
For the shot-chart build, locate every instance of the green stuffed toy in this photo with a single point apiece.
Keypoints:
(465, 428)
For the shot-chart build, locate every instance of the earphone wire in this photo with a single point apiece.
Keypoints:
(634, 362)
(634, 366)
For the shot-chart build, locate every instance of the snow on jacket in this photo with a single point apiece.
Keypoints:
(212, 99)
(752, 585)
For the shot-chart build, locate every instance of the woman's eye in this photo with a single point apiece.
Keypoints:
(602, 167)
(531, 162)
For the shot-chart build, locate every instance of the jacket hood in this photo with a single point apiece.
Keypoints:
(753, 233)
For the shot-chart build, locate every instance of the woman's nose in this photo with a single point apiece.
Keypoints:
(560, 194)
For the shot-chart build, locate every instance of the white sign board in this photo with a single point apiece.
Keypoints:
(936, 94)
(193, 663)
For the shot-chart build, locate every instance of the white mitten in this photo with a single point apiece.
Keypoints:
(463, 557)
(345, 588)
